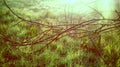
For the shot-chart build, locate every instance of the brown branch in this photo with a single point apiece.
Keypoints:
(23, 19)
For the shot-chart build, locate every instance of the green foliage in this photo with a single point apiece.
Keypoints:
(66, 52)
(118, 63)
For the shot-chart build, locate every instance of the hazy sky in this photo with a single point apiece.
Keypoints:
(81, 6)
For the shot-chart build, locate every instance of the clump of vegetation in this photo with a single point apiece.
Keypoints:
(40, 41)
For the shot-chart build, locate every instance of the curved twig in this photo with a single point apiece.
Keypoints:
(23, 19)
